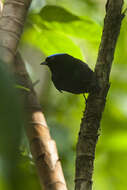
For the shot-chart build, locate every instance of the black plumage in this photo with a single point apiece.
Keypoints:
(71, 74)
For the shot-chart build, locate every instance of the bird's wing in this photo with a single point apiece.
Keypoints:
(81, 70)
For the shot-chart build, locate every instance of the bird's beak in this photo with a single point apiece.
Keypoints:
(44, 63)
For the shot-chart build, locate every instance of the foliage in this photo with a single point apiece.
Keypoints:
(59, 28)
(67, 27)
(11, 121)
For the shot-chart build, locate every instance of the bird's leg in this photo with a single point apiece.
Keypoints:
(85, 98)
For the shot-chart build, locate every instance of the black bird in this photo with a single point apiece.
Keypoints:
(71, 74)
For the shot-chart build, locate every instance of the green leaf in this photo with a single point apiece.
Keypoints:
(22, 87)
(59, 19)
(11, 122)
(56, 30)
(52, 13)
(51, 42)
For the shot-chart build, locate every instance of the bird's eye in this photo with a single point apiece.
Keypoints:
(51, 58)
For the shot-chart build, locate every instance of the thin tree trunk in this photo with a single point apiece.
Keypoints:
(43, 148)
(11, 26)
(90, 123)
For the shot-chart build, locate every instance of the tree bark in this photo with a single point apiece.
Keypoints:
(95, 104)
(43, 148)
(11, 25)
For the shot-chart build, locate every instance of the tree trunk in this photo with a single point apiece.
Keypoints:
(43, 148)
(90, 123)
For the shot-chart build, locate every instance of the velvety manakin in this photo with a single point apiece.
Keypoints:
(71, 74)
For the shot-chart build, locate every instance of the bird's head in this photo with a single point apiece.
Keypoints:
(55, 58)
(54, 61)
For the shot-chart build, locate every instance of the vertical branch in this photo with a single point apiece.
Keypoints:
(90, 123)
(11, 26)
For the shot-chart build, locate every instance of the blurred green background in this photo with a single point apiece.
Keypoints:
(74, 27)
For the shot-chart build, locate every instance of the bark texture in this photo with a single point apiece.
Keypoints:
(43, 148)
(90, 123)
(11, 26)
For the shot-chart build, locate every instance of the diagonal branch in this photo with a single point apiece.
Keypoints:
(43, 148)
(90, 123)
